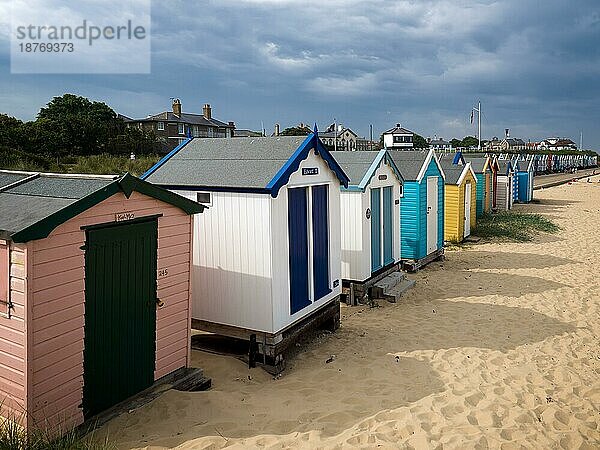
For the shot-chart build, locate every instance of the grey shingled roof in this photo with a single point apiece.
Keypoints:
(355, 164)
(227, 162)
(194, 119)
(28, 203)
(476, 163)
(453, 173)
(8, 178)
(409, 162)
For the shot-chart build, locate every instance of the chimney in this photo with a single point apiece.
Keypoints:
(231, 124)
(507, 132)
(177, 107)
(207, 111)
(277, 129)
(398, 125)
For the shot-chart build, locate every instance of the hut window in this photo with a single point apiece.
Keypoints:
(161, 126)
(203, 198)
(4, 278)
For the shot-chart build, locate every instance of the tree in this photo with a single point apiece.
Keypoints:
(296, 131)
(419, 141)
(83, 127)
(469, 141)
(455, 143)
(10, 131)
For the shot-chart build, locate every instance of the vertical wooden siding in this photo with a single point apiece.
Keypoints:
(13, 380)
(231, 272)
(59, 303)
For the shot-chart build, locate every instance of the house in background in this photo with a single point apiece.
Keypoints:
(175, 126)
(555, 143)
(398, 138)
(346, 138)
(439, 144)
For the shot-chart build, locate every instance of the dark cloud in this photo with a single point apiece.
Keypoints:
(534, 64)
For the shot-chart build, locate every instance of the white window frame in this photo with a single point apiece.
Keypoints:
(160, 126)
(181, 128)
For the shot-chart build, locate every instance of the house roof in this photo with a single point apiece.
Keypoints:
(189, 118)
(412, 163)
(262, 164)
(331, 134)
(34, 206)
(398, 130)
(361, 166)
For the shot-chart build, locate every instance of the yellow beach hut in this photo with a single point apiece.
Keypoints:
(460, 201)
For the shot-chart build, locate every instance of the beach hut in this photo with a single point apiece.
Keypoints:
(267, 255)
(370, 214)
(482, 167)
(421, 207)
(515, 178)
(525, 173)
(460, 201)
(94, 293)
(504, 185)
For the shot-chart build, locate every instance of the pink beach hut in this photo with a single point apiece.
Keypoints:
(94, 293)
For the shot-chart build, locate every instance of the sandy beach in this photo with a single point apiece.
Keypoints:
(496, 347)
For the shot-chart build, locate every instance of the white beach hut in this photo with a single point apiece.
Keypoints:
(370, 214)
(266, 257)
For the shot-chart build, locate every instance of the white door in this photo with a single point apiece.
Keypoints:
(510, 192)
(432, 214)
(467, 210)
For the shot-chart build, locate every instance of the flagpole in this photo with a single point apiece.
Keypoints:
(334, 135)
(479, 119)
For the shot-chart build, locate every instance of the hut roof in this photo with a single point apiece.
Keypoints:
(361, 166)
(478, 164)
(33, 206)
(412, 163)
(260, 164)
(455, 173)
(8, 177)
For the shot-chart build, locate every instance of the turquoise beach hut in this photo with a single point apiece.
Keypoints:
(525, 173)
(421, 207)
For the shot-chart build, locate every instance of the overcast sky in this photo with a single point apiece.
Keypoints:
(535, 65)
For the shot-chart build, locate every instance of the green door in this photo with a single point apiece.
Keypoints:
(120, 313)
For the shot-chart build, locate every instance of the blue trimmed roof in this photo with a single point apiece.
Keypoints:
(262, 164)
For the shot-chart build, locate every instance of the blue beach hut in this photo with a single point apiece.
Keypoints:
(525, 173)
(421, 207)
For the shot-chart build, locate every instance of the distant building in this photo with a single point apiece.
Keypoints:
(439, 144)
(557, 144)
(174, 126)
(246, 133)
(507, 144)
(398, 138)
(363, 144)
(346, 138)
